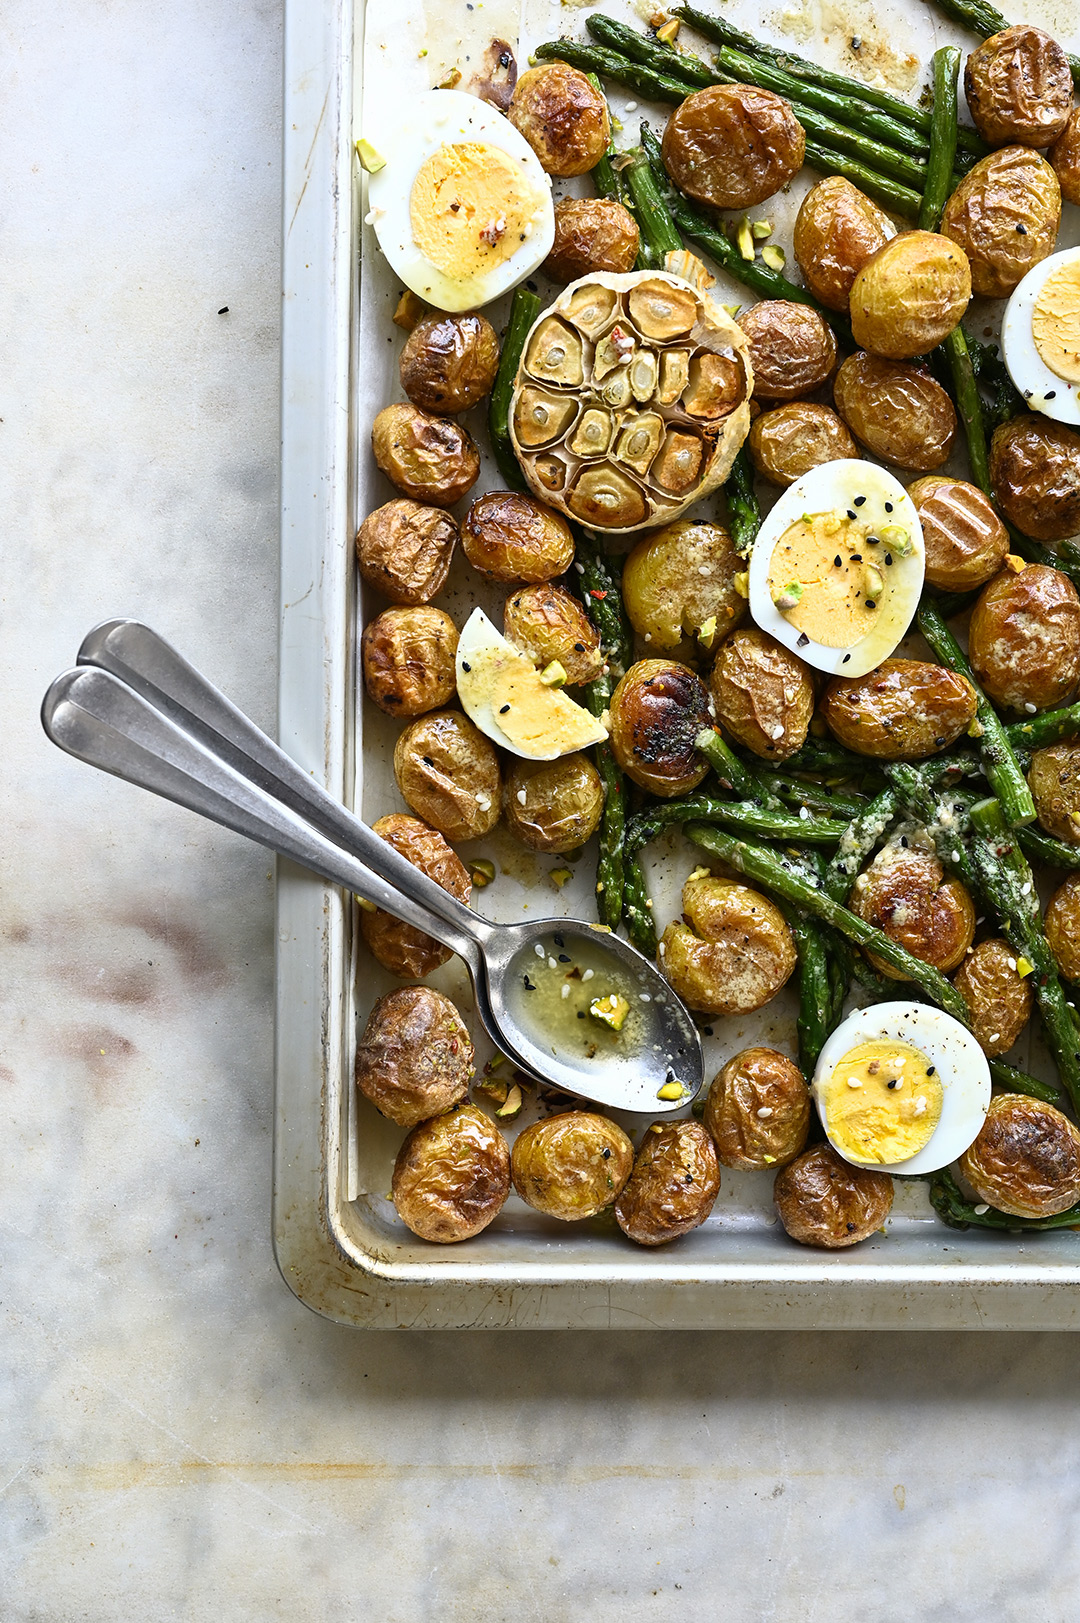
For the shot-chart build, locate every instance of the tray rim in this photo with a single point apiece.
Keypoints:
(311, 1048)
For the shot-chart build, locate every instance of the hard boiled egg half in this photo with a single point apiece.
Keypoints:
(837, 567)
(1040, 337)
(903, 1087)
(520, 708)
(459, 202)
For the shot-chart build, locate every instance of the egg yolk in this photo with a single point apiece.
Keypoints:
(827, 576)
(1055, 322)
(472, 206)
(882, 1103)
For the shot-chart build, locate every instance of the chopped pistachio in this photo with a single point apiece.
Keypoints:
(511, 1105)
(700, 873)
(481, 871)
(733, 310)
(788, 597)
(671, 1090)
(559, 876)
(872, 578)
(976, 729)
(761, 229)
(897, 539)
(774, 257)
(1024, 966)
(453, 78)
(707, 632)
(410, 311)
(494, 1088)
(553, 675)
(369, 907)
(744, 239)
(370, 160)
(669, 33)
(610, 1011)
(742, 583)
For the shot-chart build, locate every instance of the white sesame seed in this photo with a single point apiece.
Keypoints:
(777, 731)
(552, 963)
(996, 1038)
(853, 1082)
(1031, 709)
(920, 1106)
(764, 1113)
(644, 996)
(521, 798)
(1011, 963)
(956, 856)
(703, 569)
(1025, 888)
(981, 1208)
(538, 949)
(588, 975)
(648, 636)
(663, 950)
(631, 107)
(804, 813)
(580, 568)
(565, 992)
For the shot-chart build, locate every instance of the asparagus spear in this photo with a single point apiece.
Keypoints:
(637, 908)
(958, 1213)
(857, 842)
(602, 595)
(658, 229)
(943, 128)
(1014, 1081)
(816, 994)
(984, 20)
(1046, 728)
(744, 514)
(602, 601)
(1044, 848)
(990, 370)
(730, 770)
(524, 310)
(816, 796)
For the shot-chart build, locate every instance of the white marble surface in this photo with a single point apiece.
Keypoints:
(180, 1439)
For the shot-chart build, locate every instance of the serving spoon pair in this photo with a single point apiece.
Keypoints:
(136, 708)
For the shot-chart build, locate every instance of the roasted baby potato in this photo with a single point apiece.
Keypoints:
(902, 710)
(408, 659)
(562, 116)
(905, 893)
(657, 712)
(733, 952)
(673, 1186)
(1054, 779)
(451, 1176)
(792, 348)
(1005, 215)
(591, 234)
(762, 693)
(680, 580)
(415, 1058)
(449, 362)
(910, 295)
(1035, 474)
(428, 458)
(732, 146)
(550, 626)
(553, 806)
(787, 442)
(399, 947)
(509, 537)
(838, 229)
(404, 550)
(898, 411)
(1064, 158)
(758, 1110)
(1019, 87)
(448, 774)
(571, 1166)
(1026, 1159)
(1062, 926)
(997, 995)
(1024, 639)
(965, 541)
(822, 1201)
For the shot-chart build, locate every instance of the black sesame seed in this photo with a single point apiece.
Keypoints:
(503, 708)
(870, 603)
(1050, 393)
(851, 1228)
(427, 760)
(465, 667)
(579, 648)
(804, 640)
(873, 540)
(845, 659)
(564, 957)
(930, 1069)
(606, 1154)
(851, 515)
(529, 987)
(888, 507)
(532, 287)
(558, 940)
(859, 500)
(707, 1030)
(837, 561)
(888, 558)
(904, 841)
(1027, 394)
(890, 1084)
(581, 1014)
(856, 557)
(224, 310)
(1021, 231)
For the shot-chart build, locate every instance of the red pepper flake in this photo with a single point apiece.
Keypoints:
(598, 595)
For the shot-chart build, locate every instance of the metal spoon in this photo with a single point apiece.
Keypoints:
(139, 710)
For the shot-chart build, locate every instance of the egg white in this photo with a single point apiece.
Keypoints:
(961, 1067)
(429, 121)
(833, 486)
(1028, 370)
(482, 653)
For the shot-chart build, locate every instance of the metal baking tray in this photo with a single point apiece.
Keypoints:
(337, 1240)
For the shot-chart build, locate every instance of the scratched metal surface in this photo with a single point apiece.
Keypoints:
(338, 1242)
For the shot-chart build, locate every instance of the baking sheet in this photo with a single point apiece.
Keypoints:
(339, 1242)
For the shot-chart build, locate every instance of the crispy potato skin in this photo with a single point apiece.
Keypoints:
(910, 295)
(591, 234)
(1054, 779)
(898, 411)
(452, 1176)
(657, 711)
(442, 764)
(673, 1185)
(404, 550)
(449, 362)
(1062, 926)
(415, 1058)
(762, 693)
(572, 1165)
(563, 804)
(1024, 639)
(965, 541)
(408, 660)
(1026, 1159)
(758, 1079)
(428, 458)
(790, 440)
(1019, 87)
(1035, 475)
(824, 1202)
(1064, 158)
(904, 892)
(837, 230)
(733, 953)
(563, 118)
(677, 578)
(997, 996)
(399, 947)
(732, 146)
(509, 537)
(546, 623)
(792, 349)
(906, 709)
(1002, 192)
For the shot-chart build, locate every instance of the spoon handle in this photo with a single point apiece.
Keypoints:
(92, 715)
(166, 680)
